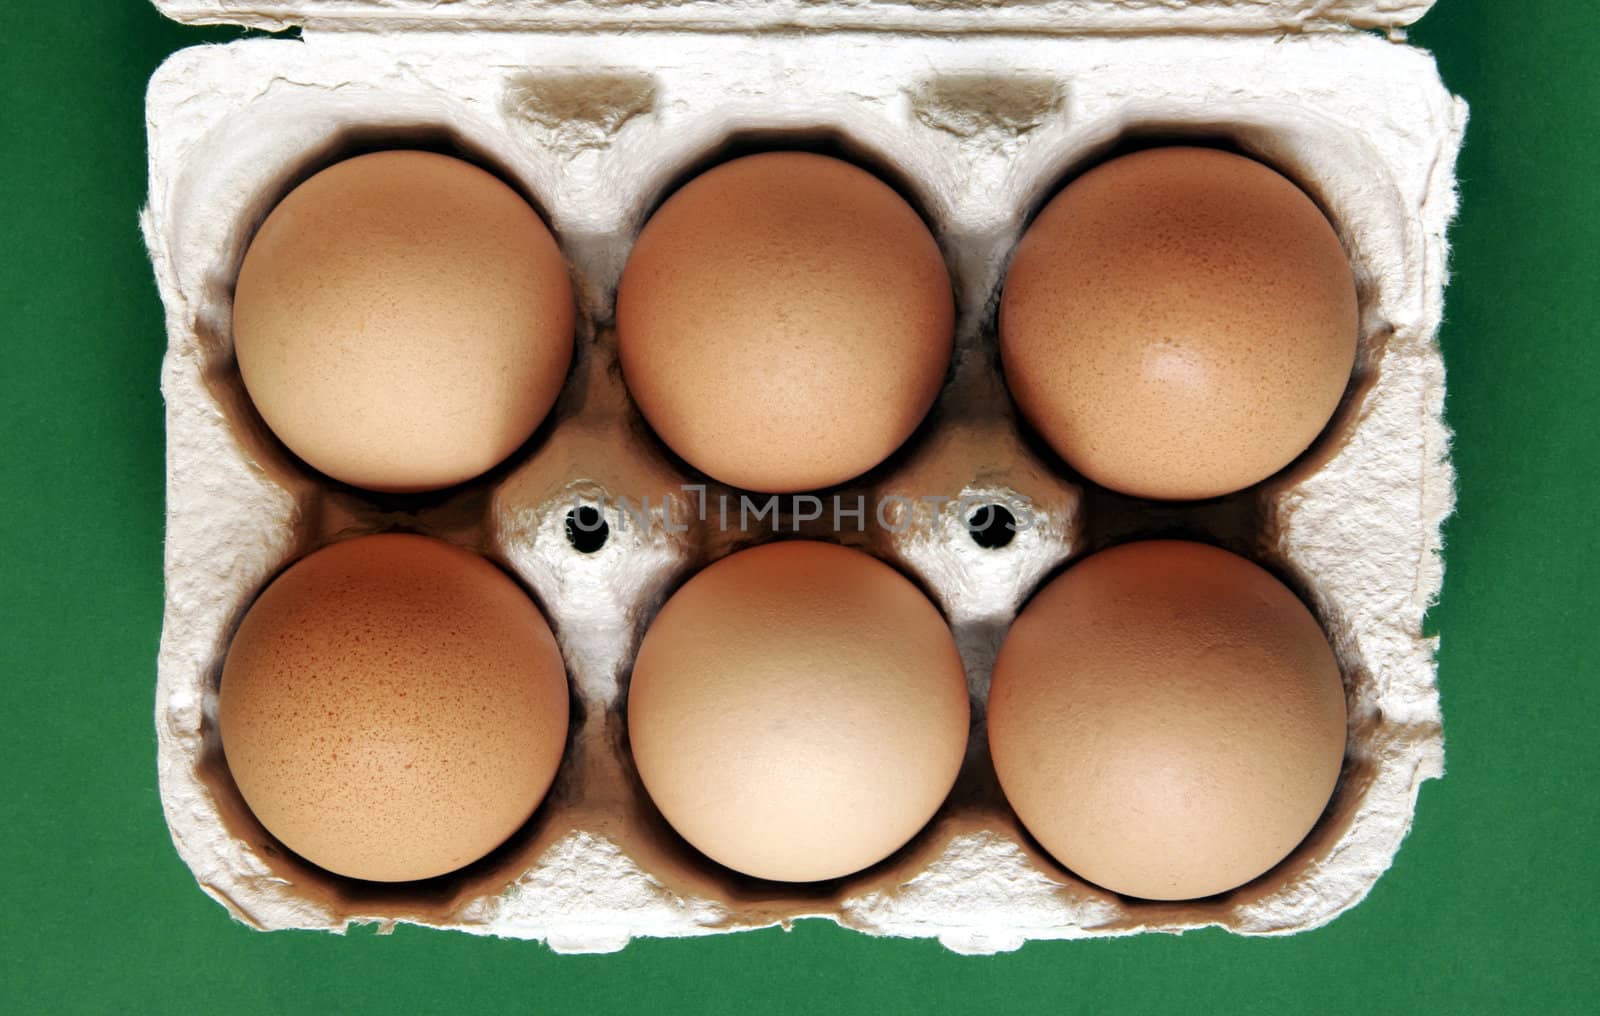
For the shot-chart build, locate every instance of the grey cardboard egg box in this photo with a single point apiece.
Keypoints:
(977, 114)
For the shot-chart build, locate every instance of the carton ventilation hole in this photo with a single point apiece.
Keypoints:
(991, 526)
(586, 529)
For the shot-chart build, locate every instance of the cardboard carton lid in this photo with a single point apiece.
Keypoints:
(930, 16)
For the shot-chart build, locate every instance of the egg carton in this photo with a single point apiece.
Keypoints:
(977, 113)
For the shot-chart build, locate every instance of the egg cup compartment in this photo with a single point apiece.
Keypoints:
(978, 130)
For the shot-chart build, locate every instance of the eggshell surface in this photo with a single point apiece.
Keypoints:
(798, 711)
(403, 321)
(1179, 323)
(393, 707)
(785, 321)
(1167, 720)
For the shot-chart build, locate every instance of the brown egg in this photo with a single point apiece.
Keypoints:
(393, 707)
(798, 711)
(403, 321)
(785, 321)
(1167, 719)
(1179, 323)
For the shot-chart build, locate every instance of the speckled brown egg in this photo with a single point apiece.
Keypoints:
(785, 321)
(798, 711)
(393, 707)
(1179, 323)
(1167, 720)
(403, 321)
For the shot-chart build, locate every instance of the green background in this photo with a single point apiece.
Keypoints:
(1491, 905)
